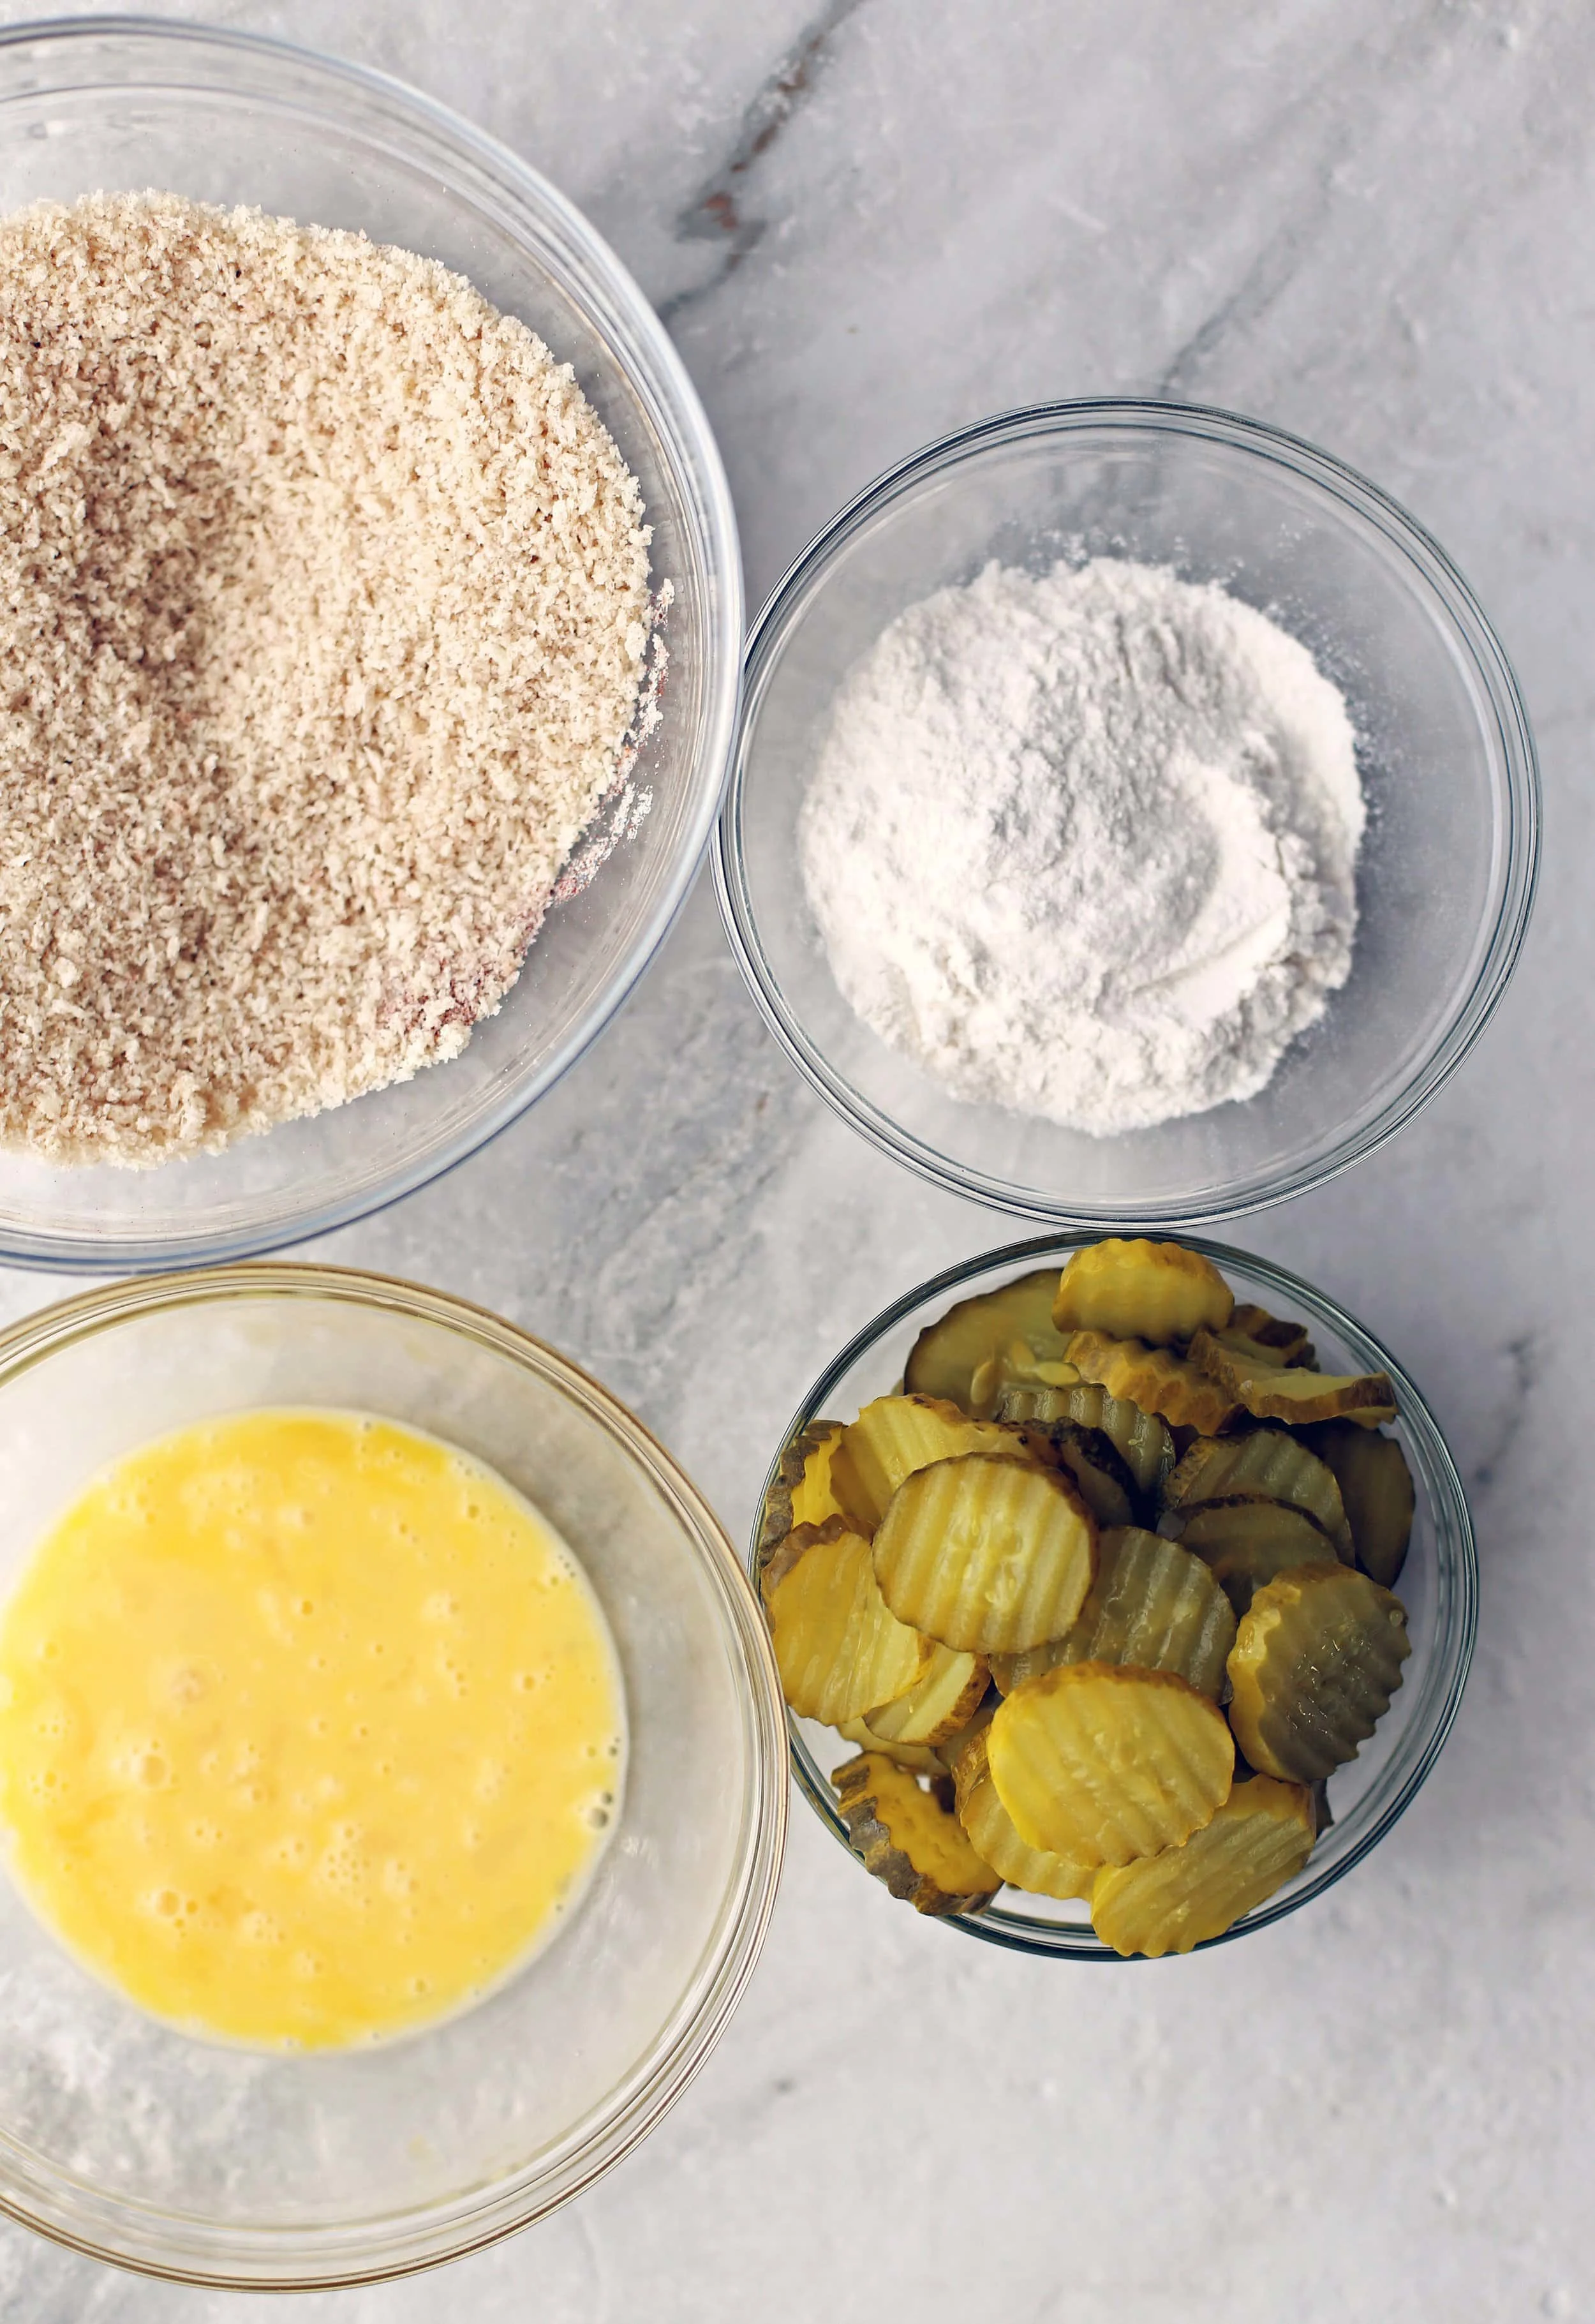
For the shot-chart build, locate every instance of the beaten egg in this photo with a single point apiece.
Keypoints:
(311, 1730)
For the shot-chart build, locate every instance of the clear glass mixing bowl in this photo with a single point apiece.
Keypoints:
(129, 104)
(1438, 1585)
(1447, 869)
(136, 2144)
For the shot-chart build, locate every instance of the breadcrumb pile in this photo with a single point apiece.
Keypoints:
(323, 608)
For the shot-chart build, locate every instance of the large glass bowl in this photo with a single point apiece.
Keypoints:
(136, 2144)
(1438, 1585)
(124, 103)
(1447, 869)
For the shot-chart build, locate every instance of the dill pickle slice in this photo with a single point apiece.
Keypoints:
(1286, 1343)
(951, 1752)
(840, 1650)
(1266, 1464)
(917, 1757)
(998, 1339)
(992, 1836)
(1244, 1544)
(1171, 1386)
(1377, 1488)
(1140, 1439)
(804, 1474)
(1152, 1604)
(1185, 1896)
(937, 1704)
(1135, 1289)
(986, 1554)
(907, 1839)
(1099, 1468)
(897, 1434)
(1103, 1763)
(1316, 1658)
(1271, 1391)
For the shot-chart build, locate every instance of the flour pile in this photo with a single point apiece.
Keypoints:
(1083, 842)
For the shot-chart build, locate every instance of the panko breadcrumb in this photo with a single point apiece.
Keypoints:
(323, 609)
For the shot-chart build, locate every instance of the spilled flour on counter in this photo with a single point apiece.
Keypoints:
(1083, 843)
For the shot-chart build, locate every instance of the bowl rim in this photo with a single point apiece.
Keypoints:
(1514, 763)
(1456, 1558)
(655, 373)
(381, 2247)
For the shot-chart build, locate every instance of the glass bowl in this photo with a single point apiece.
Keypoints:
(1446, 872)
(1439, 1587)
(138, 2144)
(126, 104)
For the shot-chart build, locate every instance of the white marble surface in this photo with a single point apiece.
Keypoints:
(1369, 221)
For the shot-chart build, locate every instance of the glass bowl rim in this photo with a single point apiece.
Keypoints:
(656, 376)
(1513, 767)
(330, 2258)
(1456, 1553)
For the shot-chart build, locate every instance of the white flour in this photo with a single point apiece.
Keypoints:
(1083, 842)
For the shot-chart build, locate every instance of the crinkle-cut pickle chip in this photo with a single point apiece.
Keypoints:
(1140, 1439)
(1266, 1464)
(1377, 1488)
(1287, 1343)
(995, 1841)
(908, 1840)
(1316, 1658)
(1171, 1386)
(918, 1756)
(1099, 1468)
(1103, 1763)
(952, 1750)
(986, 1554)
(801, 1493)
(839, 1649)
(1185, 1896)
(998, 1339)
(937, 1704)
(1244, 1544)
(1271, 1391)
(897, 1434)
(1152, 1604)
(1140, 1290)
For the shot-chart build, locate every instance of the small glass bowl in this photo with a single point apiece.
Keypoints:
(123, 103)
(1446, 872)
(134, 2144)
(1438, 1586)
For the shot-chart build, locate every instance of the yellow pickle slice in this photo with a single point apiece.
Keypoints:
(1103, 1763)
(918, 1756)
(1171, 1386)
(986, 1554)
(801, 1493)
(1317, 1657)
(1271, 1391)
(1141, 1440)
(1377, 1488)
(996, 1340)
(1135, 1289)
(907, 1839)
(897, 1434)
(1185, 1896)
(1266, 1464)
(1284, 1342)
(1244, 1544)
(840, 1650)
(991, 1835)
(937, 1704)
(1152, 1604)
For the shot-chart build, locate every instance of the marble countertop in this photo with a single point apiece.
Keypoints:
(868, 221)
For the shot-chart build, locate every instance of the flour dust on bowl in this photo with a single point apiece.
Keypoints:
(113, 108)
(207, 2161)
(1275, 583)
(1028, 1460)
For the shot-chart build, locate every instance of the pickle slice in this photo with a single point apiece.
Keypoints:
(1140, 1439)
(937, 1704)
(1286, 1343)
(917, 1757)
(998, 1339)
(986, 1554)
(995, 1841)
(1271, 1391)
(1140, 1290)
(1244, 1544)
(839, 1649)
(1266, 1464)
(1103, 1763)
(897, 1434)
(907, 1839)
(1376, 1485)
(1171, 1386)
(1316, 1658)
(951, 1752)
(1099, 1468)
(803, 1476)
(1152, 1604)
(1166, 1903)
